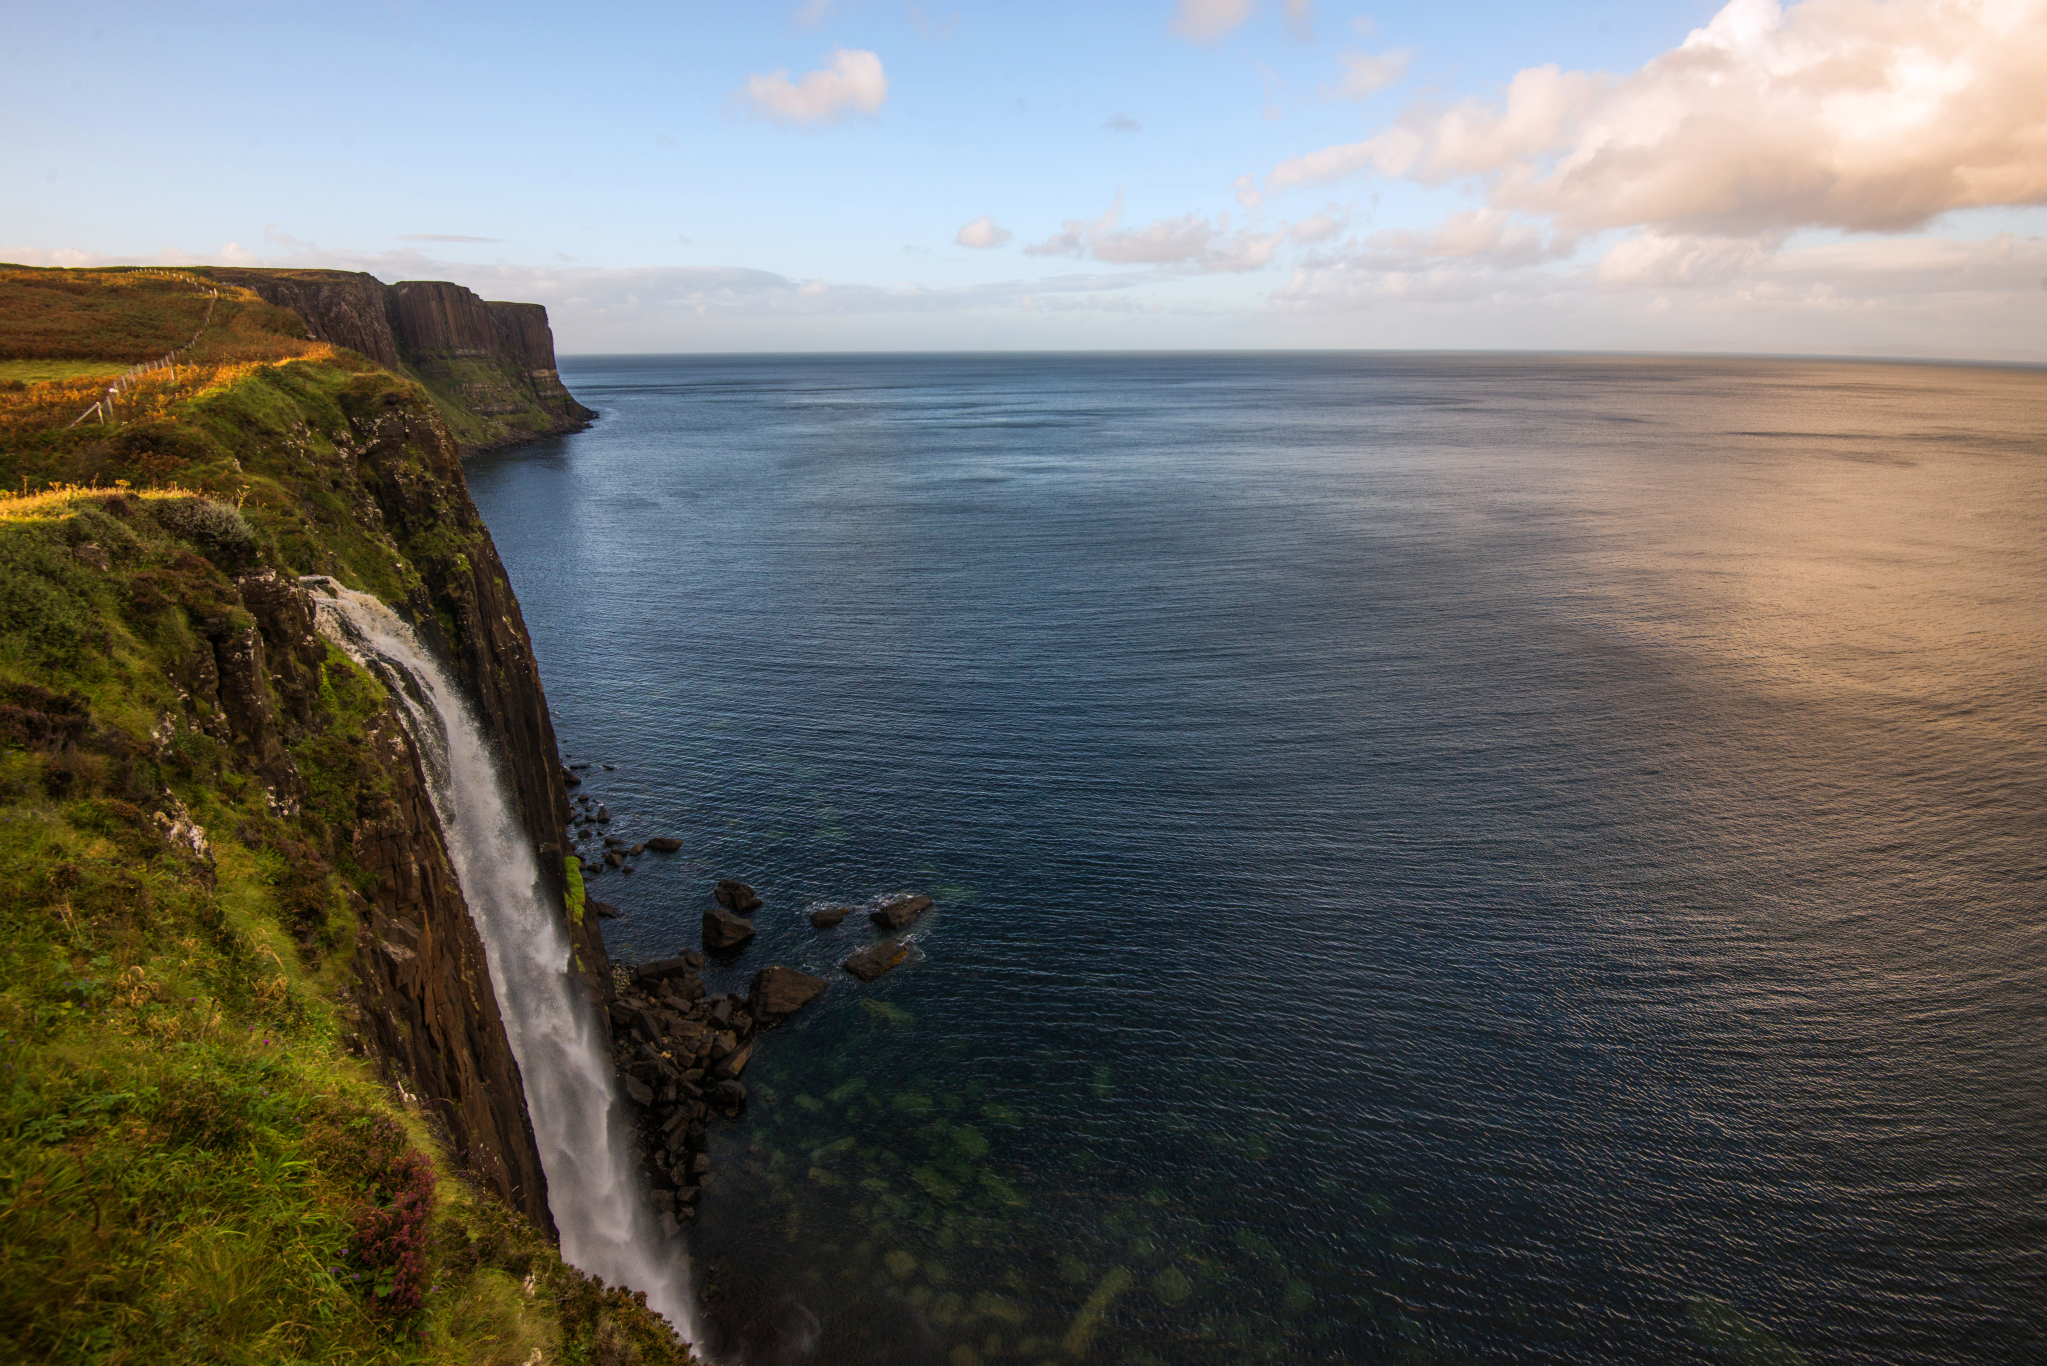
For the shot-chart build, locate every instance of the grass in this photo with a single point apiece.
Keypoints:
(195, 1162)
(41, 371)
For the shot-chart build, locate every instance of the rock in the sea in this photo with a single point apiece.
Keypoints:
(827, 916)
(735, 1062)
(603, 815)
(893, 915)
(730, 1094)
(606, 910)
(736, 896)
(724, 930)
(571, 777)
(661, 844)
(680, 966)
(779, 991)
(872, 961)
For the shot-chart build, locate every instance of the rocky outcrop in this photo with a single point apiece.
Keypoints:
(489, 365)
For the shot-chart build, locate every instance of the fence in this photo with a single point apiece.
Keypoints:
(106, 407)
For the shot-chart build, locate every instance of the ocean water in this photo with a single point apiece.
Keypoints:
(1436, 858)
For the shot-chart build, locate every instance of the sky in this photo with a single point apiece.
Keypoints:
(1848, 177)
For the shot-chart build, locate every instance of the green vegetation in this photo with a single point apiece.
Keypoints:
(195, 1164)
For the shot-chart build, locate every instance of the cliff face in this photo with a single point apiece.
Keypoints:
(490, 366)
(464, 607)
(224, 886)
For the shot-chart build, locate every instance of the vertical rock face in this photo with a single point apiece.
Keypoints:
(490, 365)
(433, 315)
(426, 997)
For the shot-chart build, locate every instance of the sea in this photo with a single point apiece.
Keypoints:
(1436, 858)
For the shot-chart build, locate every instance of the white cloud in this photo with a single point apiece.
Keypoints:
(982, 233)
(811, 13)
(1834, 113)
(1204, 21)
(1300, 19)
(1366, 73)
(854, 83)
(1190, 241)
(1246, 187)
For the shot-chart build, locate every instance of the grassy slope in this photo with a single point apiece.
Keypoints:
(192, 1165)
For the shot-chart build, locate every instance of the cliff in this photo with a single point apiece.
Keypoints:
(490, 366)
(250, 1024)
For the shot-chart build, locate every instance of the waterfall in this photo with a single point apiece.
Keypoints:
(593, 1186)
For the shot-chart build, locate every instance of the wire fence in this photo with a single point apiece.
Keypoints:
(108, 406)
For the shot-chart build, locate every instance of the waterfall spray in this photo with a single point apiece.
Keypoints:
(593, 1186)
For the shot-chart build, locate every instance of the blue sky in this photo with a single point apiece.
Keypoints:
(1168, 173)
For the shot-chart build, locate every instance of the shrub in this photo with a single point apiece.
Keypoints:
(207, 522)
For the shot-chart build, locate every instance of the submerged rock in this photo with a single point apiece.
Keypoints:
(736, 896)
(778, 991)
(893, 915)
(661, 844)
(724, 930)
(606, 909)
(872, 961)
(828, 916)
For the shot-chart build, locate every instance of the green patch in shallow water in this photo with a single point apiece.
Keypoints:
(1006, 1115)
(912, 1103)
(893, 1016)
(1171, 1286)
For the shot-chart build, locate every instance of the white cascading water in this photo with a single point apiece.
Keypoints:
(594, 1188)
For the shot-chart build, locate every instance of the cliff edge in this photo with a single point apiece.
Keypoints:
(489, 366)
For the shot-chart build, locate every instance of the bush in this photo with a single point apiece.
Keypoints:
(208, 523)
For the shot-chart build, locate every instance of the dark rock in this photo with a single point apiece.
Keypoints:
(603, 815)
(614, 858)
(638, 1091)
(636, 850)
(734, 1063)
(736, 896)
(872, 961)
(663, 968)
(730, 1094)
(569, 777)
(828, 916)
(661, 844)
(893, 915)
(607, 768)
(721, 1011)
(724, 930)
(606, 909)
(779, 991)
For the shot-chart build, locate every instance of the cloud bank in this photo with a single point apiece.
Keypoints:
(1833, 114)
